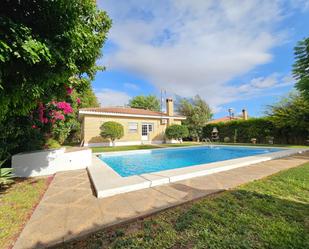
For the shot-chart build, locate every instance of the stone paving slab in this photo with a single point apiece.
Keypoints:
(69, 208)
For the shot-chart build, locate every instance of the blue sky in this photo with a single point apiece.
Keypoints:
(234, 54)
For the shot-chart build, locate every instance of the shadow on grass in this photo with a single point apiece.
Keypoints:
(17, 180)
(233, 219)
(244, 219)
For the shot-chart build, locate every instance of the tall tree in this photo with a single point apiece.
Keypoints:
(197, 112)
(43, 44)
(46, 48)
(149, 102)
(87, 98)
(301, 67)
(292, 112)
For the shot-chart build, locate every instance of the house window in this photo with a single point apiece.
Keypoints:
(132, 127)
(144, 130)
(150, 127)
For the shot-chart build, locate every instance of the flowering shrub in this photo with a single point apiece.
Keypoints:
(69, 90)
(65, 107)
(52, 112)
(53, 119)
(56, 120)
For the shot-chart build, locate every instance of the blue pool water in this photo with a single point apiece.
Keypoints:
(128, 164)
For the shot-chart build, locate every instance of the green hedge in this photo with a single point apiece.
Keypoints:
(258, 128)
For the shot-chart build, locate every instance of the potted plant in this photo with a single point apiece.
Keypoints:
(227, 140)
(253, 140)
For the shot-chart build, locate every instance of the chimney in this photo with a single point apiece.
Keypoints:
(170, 110)
(244, 114)
(169, 107)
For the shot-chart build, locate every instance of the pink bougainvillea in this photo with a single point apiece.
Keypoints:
(69, 90)
(55, 115)
(58, 115)
(50, 114)
(78, 101)
(41, 110)
(66, 107)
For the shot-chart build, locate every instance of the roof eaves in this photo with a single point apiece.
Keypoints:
(129, 114)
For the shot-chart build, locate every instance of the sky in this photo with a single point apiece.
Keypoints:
(234, 54)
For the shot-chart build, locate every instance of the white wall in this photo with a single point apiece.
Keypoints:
(48, 162)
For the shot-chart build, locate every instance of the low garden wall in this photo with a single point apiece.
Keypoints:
(48, 162)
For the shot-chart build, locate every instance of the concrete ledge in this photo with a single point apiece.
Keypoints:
(108, 183)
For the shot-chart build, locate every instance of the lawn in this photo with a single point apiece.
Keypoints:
(184, 144)
(269, 213)
(140, 147)
(123, 148)
(16, 205)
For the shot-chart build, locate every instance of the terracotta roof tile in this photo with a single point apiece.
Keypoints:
(223, 119)
(126, 110)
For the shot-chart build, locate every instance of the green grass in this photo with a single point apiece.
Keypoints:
(140, 147)
(269, 213)
(123, 148)
(16, 205)
(184, 144)
(268, 145)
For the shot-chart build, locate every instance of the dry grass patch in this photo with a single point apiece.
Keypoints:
(17, 203)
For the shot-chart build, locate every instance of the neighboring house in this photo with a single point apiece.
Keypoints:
(228, 118)
(140, 126)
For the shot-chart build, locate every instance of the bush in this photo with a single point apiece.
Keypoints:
(227, 140)
(52, 144)
(111, 130)
(6, 175)
(177, 132)
(260, 128)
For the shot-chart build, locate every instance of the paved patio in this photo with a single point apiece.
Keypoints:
(69, 208)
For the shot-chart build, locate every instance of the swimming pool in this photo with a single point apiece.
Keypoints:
(149, 161)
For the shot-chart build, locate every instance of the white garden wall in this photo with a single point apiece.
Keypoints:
(48, 162)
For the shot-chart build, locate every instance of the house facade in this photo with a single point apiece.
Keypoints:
(140, 126)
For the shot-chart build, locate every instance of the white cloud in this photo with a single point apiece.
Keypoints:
(109, 97)
(194, 47)
(131, 86)
(303, 5)
(264, 82)
(261, 85)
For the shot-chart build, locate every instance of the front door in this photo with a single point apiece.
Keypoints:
(146, 129)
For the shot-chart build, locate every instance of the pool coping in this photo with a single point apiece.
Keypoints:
(108, 182)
